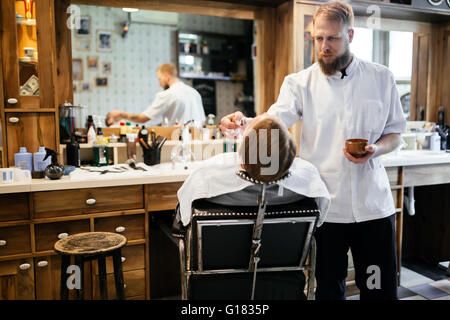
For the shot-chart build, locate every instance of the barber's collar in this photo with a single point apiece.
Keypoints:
(342, 74)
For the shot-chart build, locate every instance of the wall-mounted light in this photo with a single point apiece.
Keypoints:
(130, 9)
(126, 26)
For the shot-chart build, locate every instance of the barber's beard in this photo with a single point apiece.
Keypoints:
(338, 64)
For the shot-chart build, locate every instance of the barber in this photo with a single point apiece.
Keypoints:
(178, 102)
(342, 97)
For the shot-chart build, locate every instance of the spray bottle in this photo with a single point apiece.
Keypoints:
(54, 170)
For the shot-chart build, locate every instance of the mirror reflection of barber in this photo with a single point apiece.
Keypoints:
(338, 98)
(177, 103)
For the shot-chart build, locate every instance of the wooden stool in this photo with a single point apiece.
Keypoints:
(89, 246)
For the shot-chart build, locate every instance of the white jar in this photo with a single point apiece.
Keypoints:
(435, 142)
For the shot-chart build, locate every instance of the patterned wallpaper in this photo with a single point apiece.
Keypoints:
(132, 82)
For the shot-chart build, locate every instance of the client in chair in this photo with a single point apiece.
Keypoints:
(266, 155)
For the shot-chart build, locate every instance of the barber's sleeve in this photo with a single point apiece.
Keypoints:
(396, 122)
(156, 110)
(288, 107)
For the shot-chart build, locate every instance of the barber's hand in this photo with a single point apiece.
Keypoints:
(371, 149)
(232, 123)
(113, 116)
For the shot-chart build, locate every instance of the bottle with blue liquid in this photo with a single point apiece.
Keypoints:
(23, 159)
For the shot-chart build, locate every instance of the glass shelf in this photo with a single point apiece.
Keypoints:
(27, 50)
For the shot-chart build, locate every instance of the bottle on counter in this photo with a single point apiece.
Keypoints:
(435, 142)
(39, 164)
(91, 136)
(206, 134)
(73, 152)
(143, 133)
(123, 132)
(90, 120)
(129, 129)
(136, 129)
(23, 159)
(131, 146)
(54, 170)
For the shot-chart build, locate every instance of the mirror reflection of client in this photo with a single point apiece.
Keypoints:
(217, 180)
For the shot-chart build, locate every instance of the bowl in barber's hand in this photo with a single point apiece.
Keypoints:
(356, 147)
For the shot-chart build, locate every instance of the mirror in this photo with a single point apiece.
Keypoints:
(116, 54)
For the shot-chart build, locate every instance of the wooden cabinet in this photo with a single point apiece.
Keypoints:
(133, 264)
(15, 240)
(28, 65)
(76, 202)
(30, 130)
(14, 207)
(17, 279)
(28, 71)
(130, 226)
(163, 196)
(30, 224)
(46, 234)
(48, 278)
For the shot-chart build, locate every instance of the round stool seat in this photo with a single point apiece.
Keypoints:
(90, 243)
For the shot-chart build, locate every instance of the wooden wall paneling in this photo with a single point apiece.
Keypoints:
(2, 115)
(284, 54)
(63, 54)
(420, 69)
(265, 43)
(10, 57)
(444, 81)
(210, 8)
(46, 47)
(32, 130)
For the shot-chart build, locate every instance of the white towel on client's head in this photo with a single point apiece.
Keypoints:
(218, 176)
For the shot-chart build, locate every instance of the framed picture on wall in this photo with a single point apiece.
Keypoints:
(92, 63)
(83, 44)
(77, 69)
(101, 82)
(106, 67)
(85, 27)
(104, 41)
(86, 86)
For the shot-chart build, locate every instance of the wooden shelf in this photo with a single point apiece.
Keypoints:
(27, 22)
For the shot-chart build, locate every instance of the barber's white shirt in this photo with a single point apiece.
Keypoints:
(179, 102)
(217, 176)
(365, 104)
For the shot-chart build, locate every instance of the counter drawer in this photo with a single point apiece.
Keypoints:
(14, 207)
(131, 226)
(134, 282)
(163, 196)
(79, 201)
(47, 234)
(133, 258)
(15, 240)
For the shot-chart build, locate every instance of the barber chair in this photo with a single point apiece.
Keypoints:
(241, 252)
